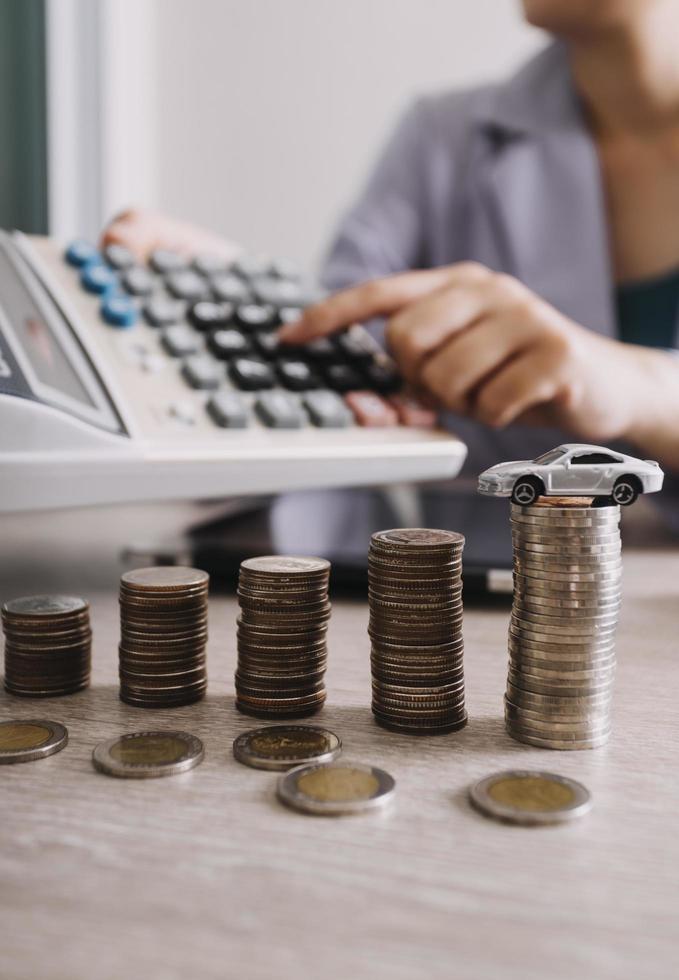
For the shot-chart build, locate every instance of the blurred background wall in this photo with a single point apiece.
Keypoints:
(259, 118)
(271, 111)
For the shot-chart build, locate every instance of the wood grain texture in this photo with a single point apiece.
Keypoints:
(206, 876)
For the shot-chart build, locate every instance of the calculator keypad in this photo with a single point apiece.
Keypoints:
(215, 323)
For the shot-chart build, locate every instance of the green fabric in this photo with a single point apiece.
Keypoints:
(647, 311)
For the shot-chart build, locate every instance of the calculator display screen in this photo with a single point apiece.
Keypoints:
(38, 341)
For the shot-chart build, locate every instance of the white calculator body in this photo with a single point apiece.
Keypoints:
(101, 403)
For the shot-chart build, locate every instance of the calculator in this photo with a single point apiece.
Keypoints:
(122, 381)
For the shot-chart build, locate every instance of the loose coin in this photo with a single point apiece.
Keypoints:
(145, 755)
(530, 798)
(24, 740)
(282, 747)
(336, 788)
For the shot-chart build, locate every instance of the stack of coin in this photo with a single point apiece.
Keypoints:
(415, 595)
(567, 571)
(163, 619)
(48, 644)
(282, 650)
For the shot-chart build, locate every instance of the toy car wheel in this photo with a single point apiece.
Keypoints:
(625, 491)
(526, 491)
(603, 502)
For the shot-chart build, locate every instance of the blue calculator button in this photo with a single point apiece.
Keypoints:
(80, 253)
(119, 311)
(99, 279)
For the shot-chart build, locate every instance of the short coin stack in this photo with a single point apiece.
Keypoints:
(48, 644)
(567, 571)
(282, 649)
(415, 595)
(163, 620)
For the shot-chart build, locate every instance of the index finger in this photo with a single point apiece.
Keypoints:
(379, 297)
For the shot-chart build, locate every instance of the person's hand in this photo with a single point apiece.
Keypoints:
(486, 346)
(142, 230)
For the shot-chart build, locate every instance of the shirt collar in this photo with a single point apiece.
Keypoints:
(540, 97)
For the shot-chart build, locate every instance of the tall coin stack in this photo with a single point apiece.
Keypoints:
(567, 593)
(282, 649)
(163, 621)
(48, 644)
(415, 595)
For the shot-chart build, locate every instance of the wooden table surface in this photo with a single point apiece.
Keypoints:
(205, 875)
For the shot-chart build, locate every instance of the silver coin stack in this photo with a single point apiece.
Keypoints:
(567, 593)
(415, 598)
(282, 636)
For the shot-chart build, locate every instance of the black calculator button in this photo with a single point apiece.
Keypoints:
(207, 315)
(227, 342)
(209, 265)
(161, 312)
(357, 345)
(382, 377)
(278, 292)
(252, 266)
(230, 288)
(179, 340)
(255, 316)
(322, 350)
(343, 377)
(251, 374)
(186, 284)
(119, 257)
(267, 343)
(163, 260)
(202, 372)
(327, 409)
(279, 410)
(290, 314)
(138, 281)
(226, 408)
(297, 375)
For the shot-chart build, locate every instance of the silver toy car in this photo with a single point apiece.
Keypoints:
(574, 470)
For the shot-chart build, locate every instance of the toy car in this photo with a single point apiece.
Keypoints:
(574, 470)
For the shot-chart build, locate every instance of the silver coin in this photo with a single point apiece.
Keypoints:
(561, 619)
(561, 639)
(558, 744)
(529, 700)
(564, 715)
(555, 507)
(553, 627)
(569, 552)
(558, 687)
(549, 567)
(336, 788)
(37, 606)
(566, 655)
(165, 579)
(145, 755)
(553, 534)
(584, 739)
(568, 589)
(566, 678)
(27, 739)
(530, 798)
(576, 729)
(547, 606)
(418, 538)
(568, 668)
(285, 565)
(282, 747)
